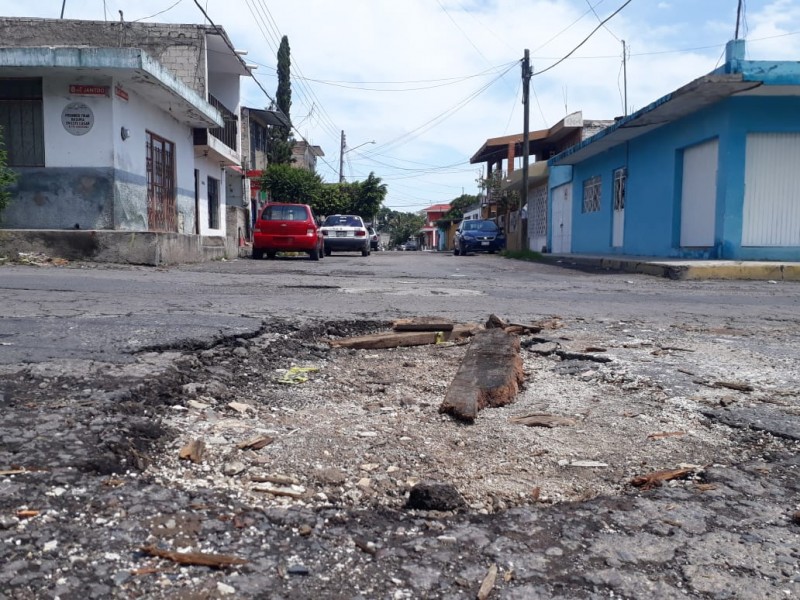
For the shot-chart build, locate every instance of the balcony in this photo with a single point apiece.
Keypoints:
(220, 142)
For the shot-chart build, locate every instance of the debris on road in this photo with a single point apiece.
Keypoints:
(423, 324)
(432, 495)
(378, 341)
(656, 478)
(488, 583)
(296, 375)
(193, 451)
(543, 420)
(490, 375)
(200, 559)
(665, 434)
(255, 443)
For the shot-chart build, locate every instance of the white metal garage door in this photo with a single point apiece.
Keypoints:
(771, 213)
(699, 194)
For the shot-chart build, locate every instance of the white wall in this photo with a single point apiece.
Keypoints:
(63, 149)
(210, 168)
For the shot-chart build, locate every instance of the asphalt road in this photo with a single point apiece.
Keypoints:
(105, 312)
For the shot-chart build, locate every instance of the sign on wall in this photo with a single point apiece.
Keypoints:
(77, 118)
(88, 90)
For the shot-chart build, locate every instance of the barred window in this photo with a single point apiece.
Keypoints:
(620, 185)
(591, 194)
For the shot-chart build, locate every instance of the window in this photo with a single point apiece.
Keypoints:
(213, 203)
(591, 194)
(285, 213)
(620, 185)
(162, 212)
(21, 121)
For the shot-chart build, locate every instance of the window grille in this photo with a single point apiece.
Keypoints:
(620, 188)
(162, 213)
(591, 194)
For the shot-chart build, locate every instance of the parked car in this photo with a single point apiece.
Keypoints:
(478, 235)
(374, 239)
(409, 245)
(283, 227)
(345, 232)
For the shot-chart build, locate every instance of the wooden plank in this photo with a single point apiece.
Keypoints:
(423, 324)
(489, 375)
(395, 339)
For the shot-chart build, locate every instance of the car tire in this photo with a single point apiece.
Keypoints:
(365, 251)
(327, 251)
(455, 251)
(314, 254)
(258, 254)
(271, 254)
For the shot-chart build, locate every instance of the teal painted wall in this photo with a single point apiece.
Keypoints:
(654, 162)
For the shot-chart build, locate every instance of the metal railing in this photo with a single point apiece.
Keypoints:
(227, 134)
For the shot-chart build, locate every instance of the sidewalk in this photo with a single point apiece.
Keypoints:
(683, 269)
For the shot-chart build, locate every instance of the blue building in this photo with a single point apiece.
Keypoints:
(710, 171)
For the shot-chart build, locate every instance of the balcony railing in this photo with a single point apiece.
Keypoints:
(227, 134)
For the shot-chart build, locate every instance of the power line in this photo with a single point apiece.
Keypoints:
(156, 14)
(586, 39)
(592, 8)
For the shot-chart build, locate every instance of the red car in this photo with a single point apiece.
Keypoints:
(287, 228)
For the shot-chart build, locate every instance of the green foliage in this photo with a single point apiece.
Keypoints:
(404, 226)
(7, 177)
(492, 187)
(280, 142)
(459, 206)
(367, 197)
(289, 184)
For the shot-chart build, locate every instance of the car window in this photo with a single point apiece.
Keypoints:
(487, 226)
(344, 221)
(284, 213)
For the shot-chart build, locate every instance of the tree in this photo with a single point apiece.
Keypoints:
(289, 184)
(459, 206)
(279, 149)
(405, 226)
(7, 177)
(368, 197)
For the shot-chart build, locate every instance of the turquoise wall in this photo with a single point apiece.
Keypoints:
(654, 162)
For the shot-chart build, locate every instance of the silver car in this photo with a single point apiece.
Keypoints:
(345, 233)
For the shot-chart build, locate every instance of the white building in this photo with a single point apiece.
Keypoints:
(120, 126)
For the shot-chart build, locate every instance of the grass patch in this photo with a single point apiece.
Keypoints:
(528, 255)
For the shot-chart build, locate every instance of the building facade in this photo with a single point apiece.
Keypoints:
(120, 126)
(706, 172)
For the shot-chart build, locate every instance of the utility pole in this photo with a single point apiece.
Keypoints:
(738, 19)
(63, 5)
(625, 75)
(526, 83)
(341, 159)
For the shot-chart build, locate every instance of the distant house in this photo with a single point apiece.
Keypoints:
(432, 237)
(121, 126)
(708, 171)
(542, 144)
(305, 155)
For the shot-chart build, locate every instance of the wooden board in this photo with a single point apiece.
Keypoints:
(404, 338)
(423, 324)
(489, 375)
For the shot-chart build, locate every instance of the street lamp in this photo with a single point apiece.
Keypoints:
(343, 152)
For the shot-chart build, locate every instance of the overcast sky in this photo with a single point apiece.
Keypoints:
(430, 80)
